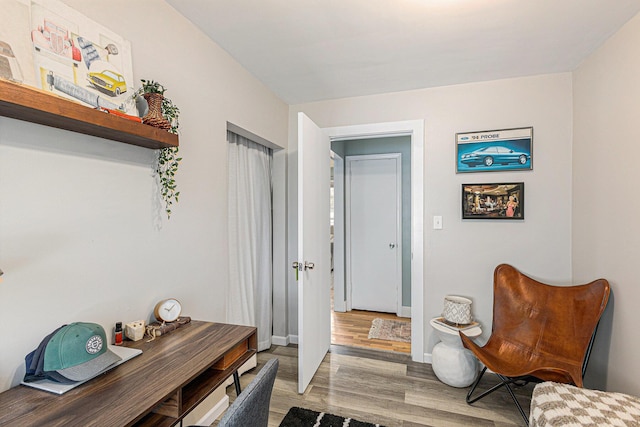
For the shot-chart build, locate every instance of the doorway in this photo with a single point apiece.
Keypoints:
(312, 309)
(359, 299)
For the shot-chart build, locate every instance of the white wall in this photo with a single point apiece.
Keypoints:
(460, 258)
(82, 236)
(606, 230)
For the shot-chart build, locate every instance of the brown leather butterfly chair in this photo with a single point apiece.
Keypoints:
(539, 333)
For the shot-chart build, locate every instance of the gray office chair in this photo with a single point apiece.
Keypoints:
(251, 407)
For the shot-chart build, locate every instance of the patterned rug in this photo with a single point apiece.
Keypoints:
(390, 330)
(300, 417)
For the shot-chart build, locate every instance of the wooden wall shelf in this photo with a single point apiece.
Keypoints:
(32, 105)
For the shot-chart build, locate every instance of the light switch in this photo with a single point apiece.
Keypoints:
(437, 222)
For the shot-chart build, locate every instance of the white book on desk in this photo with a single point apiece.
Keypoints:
(125, 354)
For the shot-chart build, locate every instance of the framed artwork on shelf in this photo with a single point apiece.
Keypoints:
(49, 45)
(494, 150)
(493, 201)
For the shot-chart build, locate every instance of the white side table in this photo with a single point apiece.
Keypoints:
(452, 363)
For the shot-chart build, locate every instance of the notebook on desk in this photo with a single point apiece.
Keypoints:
(125, 354)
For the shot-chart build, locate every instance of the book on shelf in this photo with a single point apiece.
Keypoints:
(455, 326)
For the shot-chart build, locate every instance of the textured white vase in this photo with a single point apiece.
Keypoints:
(453, 364)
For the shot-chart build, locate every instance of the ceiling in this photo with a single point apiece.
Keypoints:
(311, 50)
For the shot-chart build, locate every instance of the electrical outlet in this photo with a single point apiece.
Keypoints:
(437, 222)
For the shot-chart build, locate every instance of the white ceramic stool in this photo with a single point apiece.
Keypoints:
(452, 363)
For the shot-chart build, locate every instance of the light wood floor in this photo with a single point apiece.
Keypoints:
(352, 329)
(382, 387)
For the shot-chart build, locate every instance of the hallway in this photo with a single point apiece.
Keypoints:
(352, 329)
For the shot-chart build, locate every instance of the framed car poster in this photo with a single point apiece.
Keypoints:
(494, 150)
(78, 59)
(504, 200)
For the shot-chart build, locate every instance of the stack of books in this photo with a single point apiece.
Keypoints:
(455, 326)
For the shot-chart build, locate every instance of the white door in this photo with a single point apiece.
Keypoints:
(374, 234)
(314, 276)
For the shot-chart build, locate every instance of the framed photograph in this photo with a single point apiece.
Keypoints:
(493, 201)
(494, 150)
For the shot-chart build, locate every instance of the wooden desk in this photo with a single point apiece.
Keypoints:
(174, 374)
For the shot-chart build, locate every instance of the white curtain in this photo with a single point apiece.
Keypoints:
(249, 298)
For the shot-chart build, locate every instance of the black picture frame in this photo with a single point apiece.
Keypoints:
(501, 201)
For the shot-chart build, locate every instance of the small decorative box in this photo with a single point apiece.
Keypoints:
(134, 330)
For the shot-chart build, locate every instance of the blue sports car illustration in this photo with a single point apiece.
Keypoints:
(488, 156)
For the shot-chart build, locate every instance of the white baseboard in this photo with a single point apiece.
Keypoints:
(214, 412)
(339, 306)
(284, 341)
(427, 358)
(405, 312)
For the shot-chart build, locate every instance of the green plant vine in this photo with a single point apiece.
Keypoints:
(166, 170)
(167, 160)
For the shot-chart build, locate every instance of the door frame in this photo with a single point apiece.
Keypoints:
(347, 235)
(415, 130)
(339, 296)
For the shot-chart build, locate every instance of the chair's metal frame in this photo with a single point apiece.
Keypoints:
(520, 382)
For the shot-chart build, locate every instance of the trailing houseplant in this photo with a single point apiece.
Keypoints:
(166, 118)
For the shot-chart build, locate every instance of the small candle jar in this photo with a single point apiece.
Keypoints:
(118, 334)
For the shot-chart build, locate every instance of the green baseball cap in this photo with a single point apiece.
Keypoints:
(79, 351)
